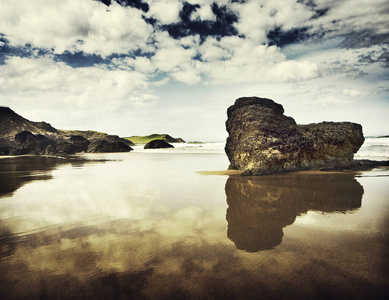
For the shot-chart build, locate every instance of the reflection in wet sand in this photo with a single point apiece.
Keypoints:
(16, 171)
(149, 227)
(259, 207)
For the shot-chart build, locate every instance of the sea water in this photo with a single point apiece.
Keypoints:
(147, 225)
(373, 148)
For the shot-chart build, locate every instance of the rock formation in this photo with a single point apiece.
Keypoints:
(20, 136)
(157, 144)
(102, 146)
(262, 140)
(80, 143)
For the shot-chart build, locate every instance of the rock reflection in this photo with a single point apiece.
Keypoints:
(15, 172)
(259, 207)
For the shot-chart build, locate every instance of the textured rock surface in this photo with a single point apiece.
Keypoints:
(262, 140)
(80, 143)
(157, 144)
(103, 146)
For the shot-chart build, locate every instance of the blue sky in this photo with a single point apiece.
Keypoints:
(173, 66)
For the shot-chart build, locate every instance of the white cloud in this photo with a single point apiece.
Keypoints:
(68, 25)
(44, 84)
(175, 57)
(235, 59)
(165, 11)
(204, 13)
(352, 92)
(257, 18)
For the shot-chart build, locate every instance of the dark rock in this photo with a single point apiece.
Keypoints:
(6, 146)
(157, 144)
(26, 143)
(50, 150)
(43, 143)
(263, 141)
(80, 143)
(117, 139)
(103, 146)
(171, 139)
(66, 148)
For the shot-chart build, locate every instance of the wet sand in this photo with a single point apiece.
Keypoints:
(147, 226)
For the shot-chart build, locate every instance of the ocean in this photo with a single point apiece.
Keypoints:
(373, 148)
(149, 225)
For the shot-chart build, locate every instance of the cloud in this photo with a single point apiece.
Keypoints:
(234, 59)
(175, 57)
(204, 13)
(84, 25)
(257, 18)
(350, 19)
(352, 92)
(165, 11)
(71, 93)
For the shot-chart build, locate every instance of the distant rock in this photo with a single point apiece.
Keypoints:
(157, 144)
(43, 143)
(170, 139)
(20, 136)
(263, 141)
(94, 136)
(66, 148)
(103, 146)
(80, 143)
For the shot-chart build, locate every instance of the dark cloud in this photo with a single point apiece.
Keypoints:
(6, 50)
(139, 4)
(223, 26)
(381, 57)
(281, 38)
(364, 38)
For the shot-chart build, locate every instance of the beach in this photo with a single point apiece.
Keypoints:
(173, 224)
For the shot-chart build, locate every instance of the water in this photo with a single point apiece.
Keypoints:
(375, 149)
(145, 225)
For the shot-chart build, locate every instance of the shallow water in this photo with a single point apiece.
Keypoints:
(147, 226)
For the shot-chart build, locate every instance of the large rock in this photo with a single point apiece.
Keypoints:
(263, 141)
(157, 144)
(103, 146)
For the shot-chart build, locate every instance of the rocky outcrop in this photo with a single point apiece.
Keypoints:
(25, 143)
(45, 145)
(66, 148)
(20, 136)
(103, 146)
(80, 143)
(171, 139)
(262, 140)
(158, 144)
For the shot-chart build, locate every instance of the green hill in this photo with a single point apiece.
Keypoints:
(147, 138)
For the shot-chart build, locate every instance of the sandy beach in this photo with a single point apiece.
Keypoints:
(153, 226)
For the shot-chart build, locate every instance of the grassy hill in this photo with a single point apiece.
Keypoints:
(147, 138)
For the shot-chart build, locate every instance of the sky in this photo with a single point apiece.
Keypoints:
(137, 67)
